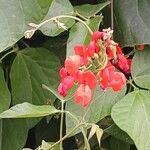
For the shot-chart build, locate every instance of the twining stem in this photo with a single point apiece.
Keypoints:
(81, 128)
(128, 81)
(61, 122)
(14, 50)
(63, 138)
(64, 16)
(82, 17)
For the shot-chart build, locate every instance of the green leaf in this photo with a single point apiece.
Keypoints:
(88, 10)
(116, 132)
(14, 134)
(5, 97)
(79, 34)
(100, 106)
(140, 69)
(58, 7)
(31, 68)
(15, 16)
(132, 115)
(132, 26)
(116, 144)
(27, 110)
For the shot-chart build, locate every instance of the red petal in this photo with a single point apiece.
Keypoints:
(83, 95)
(88, 78)
(72, 64)
(97, 35)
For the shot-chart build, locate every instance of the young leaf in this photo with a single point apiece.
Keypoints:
(99, 133)
(132, 115)
(92, 131)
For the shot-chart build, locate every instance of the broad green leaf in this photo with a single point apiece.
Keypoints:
(31, 68)
(5, 97)
(116, 144)
(27, 110)
(57, 8)
(99, 108)
(132, 115)
(1, 126)
(14, 134)
(57, 45)
(132, 23)
(140, 69)
(117, 133)
(88, 10)
(15, 16)
(79, 34)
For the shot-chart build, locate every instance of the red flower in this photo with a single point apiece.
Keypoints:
(63, 73)
(87, 78)
(92, 48)
(81, 51)
(65, 85)
(83, 95)
(106, 76)
(118, 81)
(110, 78)
(97, 35)
(124, 64)
(62, 90)
(113, 51)
(72, 64)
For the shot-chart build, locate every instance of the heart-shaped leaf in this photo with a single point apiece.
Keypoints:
(132, 115)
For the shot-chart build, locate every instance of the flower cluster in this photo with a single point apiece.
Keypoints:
(101, 61)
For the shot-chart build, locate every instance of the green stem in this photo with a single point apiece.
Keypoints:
(82, 17)
(63, 138)
(14, 50)
(64, 16)
(61, 123)
(24, 43)
(128, 81)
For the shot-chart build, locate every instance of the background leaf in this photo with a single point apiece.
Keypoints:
(132, 26)
(88, 10)
(5, 97)
(31, 68)
(58, 7)
(117, 133)
(116, 144)
(140, 69)
(132, 115)
(15, 16)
